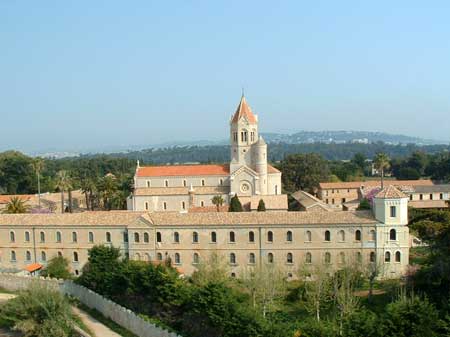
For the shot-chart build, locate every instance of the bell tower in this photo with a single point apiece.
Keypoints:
(243, 134)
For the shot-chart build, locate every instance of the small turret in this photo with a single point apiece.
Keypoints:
(260, 163)
(391, 206)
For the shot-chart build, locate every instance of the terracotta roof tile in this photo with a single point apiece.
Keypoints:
(183, 170)
(149, 191)
(390, 192)
(33, 267)
(271, 169)
(374, 183)
(244, 110)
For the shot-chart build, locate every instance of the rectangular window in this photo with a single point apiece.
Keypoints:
(393, 211)
(431, 196)
(441, 196)
(421, 197)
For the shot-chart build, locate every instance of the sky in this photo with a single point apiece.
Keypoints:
(94, 74)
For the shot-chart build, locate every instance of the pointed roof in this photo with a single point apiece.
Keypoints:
(390, 192)
(244, 110)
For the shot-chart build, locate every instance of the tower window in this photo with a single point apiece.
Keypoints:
(235, 136)
(392, 235)
(393, 211)
(244, 136)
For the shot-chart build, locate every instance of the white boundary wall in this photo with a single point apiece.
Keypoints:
(122, 316)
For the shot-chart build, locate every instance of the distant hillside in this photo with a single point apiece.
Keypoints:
(364, 137)
(277, 151)
(301, 137)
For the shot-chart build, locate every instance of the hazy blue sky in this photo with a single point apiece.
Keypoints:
(82, 74)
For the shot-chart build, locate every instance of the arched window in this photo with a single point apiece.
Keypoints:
(28, 256)
(59, 254)
(289, 258)
(195, 259)
(251, 258)
(176, 237)
(158, 236)
(397, 256)
(108, 237)
(147, 257)
(183, 205)
(194, 237)
(358, 235)
(166, 183)
(146, 238)
(203, 182)
(251, 236)
(136, 237)
(342, 257)
(27, 236)
(276, 189)
(392, 235)
(91, 237)
(137, 257)
(270, 258)
(308, 236)
(177, 258)
(358, 257)
(74, 237)
(184, 182)
(270, 236)
(387, 257)
(308, 257)
(125, 236)
(341, 235)
(165, 205)
(75, 257)
(43, 256)
(233, 275)
(12, 236)
(13, 256)
(327, 258)
(327, 236)
(148, 183)
(213, 237)
(232, 258)
(372, 257)
(42, 236)
(159, 256)
(146, 205)
(232, 237)
(373, 235)
(289, 236)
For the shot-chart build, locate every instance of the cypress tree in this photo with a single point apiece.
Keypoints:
(235, 205)
(261, 206)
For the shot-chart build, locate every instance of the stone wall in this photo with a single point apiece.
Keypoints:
(122, 316)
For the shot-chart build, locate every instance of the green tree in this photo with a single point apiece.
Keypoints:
(261, 206)
(57, 267)
(408, 173)
(359, 160)
(364, 204)
(213, 269)
(235, 205)
(304, 172)
(381, 163)
(413, 317)
(16, 205)
(39, 312)
(218, 201)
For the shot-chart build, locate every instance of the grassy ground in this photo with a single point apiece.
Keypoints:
(110, 324)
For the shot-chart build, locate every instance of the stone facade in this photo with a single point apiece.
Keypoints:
(288, 239)
(185, 187)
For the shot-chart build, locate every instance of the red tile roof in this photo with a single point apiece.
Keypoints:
(33, 267)
(4, 199)
(243, 110)
(271, 169)
(183, 170)
(372, 183)
(390, 192)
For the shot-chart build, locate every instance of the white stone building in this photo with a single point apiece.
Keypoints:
(186, 187)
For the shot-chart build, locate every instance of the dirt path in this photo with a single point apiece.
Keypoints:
(95, 326)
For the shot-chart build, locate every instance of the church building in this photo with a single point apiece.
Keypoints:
(192, 187)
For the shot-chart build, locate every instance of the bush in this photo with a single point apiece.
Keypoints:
(235, 205)
(39, 312)
(261, 206)
(58, 267)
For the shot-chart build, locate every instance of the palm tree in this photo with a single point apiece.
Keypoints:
(218, 201)
(381, 163)
(16, 205)
(38, 166)
(87, 188)
(63, 183)
(108, 188)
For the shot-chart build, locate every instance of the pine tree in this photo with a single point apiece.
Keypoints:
(235, 205)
